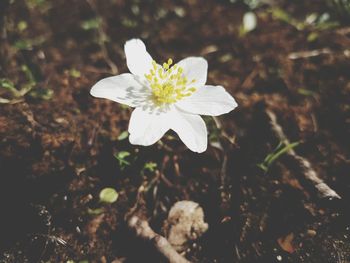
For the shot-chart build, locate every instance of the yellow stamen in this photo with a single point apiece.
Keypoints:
(168, 83)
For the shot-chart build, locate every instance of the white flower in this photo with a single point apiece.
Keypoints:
(165, 97)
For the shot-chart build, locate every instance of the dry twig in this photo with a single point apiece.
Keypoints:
(306, 174)
(140, 226)
(144, 231)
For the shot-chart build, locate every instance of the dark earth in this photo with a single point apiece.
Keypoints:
(58, 144)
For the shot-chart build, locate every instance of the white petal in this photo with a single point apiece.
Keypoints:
(138, 60)
(123, 89)
(249, 21)
(195, 68)
(147, 127)
(208, 100)
(191, 130)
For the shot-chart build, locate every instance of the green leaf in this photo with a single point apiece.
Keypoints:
(22, 25)
(150, 166)
(74, 73)
(313, 36)
(93, 23)
(96, 211)
(7, 84)
(305, 92)
(29, 74)
(121, 157)
(123, 136)
(10, 87)
(108, 195)
(44, 94)
(23, 44)
(129, 23)
(280, 14)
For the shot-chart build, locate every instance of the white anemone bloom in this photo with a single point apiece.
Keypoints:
(165, 97)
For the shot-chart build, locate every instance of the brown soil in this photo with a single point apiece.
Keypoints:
(57, 153)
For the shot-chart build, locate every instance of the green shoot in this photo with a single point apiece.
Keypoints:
(121, 157)
(305, 92)
(123, 136)
(313, 21)
(150, 166)
(74, 73)
(28, 44)
(94, 212)
(277, 152)
(93, 23)
(22, 25)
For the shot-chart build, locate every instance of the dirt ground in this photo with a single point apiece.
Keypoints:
(58, 144)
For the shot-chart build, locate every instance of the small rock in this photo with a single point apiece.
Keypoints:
(185, 223)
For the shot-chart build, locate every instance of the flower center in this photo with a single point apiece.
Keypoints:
(168, 84)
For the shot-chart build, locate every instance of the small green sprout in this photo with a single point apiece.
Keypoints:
(129, 23)
(280, 14)
(74, 73)
(150, 166)
(313, 36)
(123, 136)
(22, 25)
(23, 45)
(14, 94)
(28, 44)
(313, 20)
(276, 153)
(8, 84)
(96, 211)
(121, 157)
(108, 195)
(90, 24)
(44, 94)
(305, 92)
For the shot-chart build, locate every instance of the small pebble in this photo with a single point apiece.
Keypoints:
(311, 232)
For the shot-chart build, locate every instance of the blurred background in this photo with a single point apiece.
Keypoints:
(59, 147)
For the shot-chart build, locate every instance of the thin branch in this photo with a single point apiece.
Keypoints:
(306, 174)
(136, 221)
(309, 53)
(145, 232)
